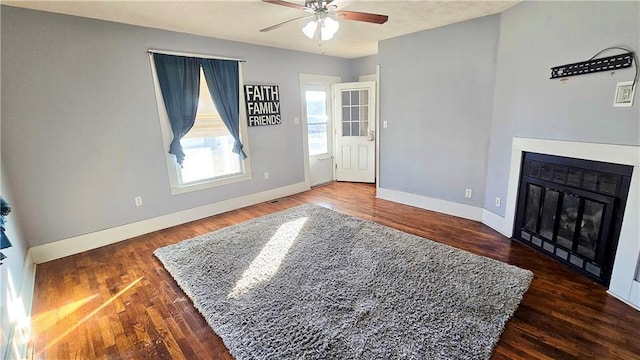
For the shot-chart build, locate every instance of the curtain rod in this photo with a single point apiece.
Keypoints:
(204, 56)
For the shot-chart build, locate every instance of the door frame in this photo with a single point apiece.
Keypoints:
(376, 77)
(313, 79)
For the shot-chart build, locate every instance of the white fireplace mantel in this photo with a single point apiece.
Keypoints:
(623, 284)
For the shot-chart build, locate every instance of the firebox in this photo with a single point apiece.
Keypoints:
(572, 209)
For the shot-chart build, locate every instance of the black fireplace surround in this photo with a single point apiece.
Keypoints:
(572, 209)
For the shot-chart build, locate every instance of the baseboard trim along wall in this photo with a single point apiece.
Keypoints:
(628, 301)
(433, 204)
(78, 244)
(496, 222)
(634, 296)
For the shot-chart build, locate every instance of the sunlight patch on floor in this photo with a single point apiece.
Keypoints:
(268, 261)
(47, 319)
(89, 316)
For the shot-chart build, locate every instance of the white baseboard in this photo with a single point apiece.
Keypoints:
(635, 295)
(78, 244)
(496, 222)
(428, 203)
(20, 330)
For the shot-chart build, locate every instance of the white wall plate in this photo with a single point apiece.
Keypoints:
(625, 91)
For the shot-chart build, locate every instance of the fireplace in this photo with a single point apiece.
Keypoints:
(572, 210)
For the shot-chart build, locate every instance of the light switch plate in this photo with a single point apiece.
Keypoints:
(625, 92)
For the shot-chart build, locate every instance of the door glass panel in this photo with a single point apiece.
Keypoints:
(548, 218)
(355, 128)
(346, 98)
(567, 223)
(355, 97)
(346, 114)
(363, 129)
(346, 128)
(590, 228)
(317, 129)
(317, 139)
(533, 207)
(316, 106)
(355, 112)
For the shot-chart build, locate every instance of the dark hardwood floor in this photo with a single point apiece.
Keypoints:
(118, 302)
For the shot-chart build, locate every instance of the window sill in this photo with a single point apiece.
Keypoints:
(175, 190)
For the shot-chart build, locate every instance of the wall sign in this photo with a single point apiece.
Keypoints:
(263, 104)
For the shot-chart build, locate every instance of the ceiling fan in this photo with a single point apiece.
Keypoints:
(323, 17)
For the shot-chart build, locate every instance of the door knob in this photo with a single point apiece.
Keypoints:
(372, 135)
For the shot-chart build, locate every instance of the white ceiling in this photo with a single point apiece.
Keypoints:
(241, 20)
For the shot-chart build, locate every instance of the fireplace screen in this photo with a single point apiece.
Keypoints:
(572, 209)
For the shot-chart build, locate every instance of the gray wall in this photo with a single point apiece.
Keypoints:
(436, 92)
(80, 129)
(363, 66)
(534, 36)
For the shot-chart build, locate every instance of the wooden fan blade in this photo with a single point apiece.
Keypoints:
(360, 16)
(283, 23)
(285, 3)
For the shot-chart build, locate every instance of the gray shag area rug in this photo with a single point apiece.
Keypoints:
(312, 283)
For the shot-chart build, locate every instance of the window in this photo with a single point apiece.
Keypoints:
(317, 122)
(209, 159)
(208, 145)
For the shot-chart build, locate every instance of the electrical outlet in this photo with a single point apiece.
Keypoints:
(624, 94)
(497, 202)
(467, 193)
(138, 200)
(266, 174)
(385, 124)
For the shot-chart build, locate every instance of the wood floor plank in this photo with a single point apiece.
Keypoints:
(120, 302)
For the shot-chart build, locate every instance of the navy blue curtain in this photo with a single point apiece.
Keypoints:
(179, 79)
(5, 209)
(224, 86)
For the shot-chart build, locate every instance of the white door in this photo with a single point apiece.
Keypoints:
(317, 110)
(355, 126)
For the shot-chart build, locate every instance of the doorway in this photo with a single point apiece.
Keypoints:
(339, 129)
(317, 127)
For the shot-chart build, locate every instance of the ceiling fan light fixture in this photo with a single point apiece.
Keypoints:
(326, 25)
(310, 29)
(331, 25)
(326, 34)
